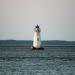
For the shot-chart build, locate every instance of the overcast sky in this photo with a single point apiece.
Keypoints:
(55, 17)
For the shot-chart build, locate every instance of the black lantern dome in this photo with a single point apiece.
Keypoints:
(37, 26)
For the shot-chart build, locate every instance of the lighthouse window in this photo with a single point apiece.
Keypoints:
(37, 39)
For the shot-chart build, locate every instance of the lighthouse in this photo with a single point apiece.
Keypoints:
(37, 38)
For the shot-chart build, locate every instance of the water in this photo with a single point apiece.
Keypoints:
(25, 61)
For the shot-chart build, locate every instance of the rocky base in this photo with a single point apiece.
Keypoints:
(33, 48)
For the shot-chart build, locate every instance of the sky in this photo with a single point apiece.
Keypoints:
(56, 19)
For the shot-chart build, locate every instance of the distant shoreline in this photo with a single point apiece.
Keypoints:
(30, 42)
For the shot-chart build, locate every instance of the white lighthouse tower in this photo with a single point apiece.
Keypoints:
(37, 38)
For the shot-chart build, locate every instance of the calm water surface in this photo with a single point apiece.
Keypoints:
(25, 61)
